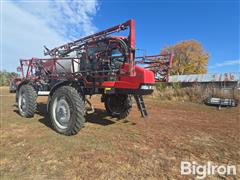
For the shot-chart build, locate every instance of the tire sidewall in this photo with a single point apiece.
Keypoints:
(20, 93)
(61, 92)
(127, 104)
(30, 100)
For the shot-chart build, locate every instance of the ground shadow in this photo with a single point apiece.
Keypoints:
(42, 111)
(99, 117)
(15, 109)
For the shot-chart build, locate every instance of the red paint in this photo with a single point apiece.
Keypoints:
(141, 76)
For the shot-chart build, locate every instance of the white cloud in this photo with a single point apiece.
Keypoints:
(225, 63)
(27, 26)
(70, 19)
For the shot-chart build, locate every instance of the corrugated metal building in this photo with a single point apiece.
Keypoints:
(204, 78)
(225, 84)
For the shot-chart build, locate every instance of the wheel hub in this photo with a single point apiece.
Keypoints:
(62, 112)
(22, 104)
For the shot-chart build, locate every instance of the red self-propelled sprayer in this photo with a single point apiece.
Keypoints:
(101, 63)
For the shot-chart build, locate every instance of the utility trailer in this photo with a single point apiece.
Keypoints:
(97, 64)
(221, 102)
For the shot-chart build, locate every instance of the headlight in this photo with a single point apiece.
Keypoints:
(146, 87)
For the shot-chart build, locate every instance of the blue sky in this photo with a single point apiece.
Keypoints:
(28, 26)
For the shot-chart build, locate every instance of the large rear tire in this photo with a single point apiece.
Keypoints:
(67, 109)
(26, 99)
(118, 105)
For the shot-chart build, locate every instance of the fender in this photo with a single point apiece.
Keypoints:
(58, 85)
(22, 83)
(53, 89)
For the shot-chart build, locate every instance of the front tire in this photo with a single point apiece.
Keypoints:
(26, 98)
(67, 109)
(118, 105)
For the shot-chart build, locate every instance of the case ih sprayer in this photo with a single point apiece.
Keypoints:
(97, 64)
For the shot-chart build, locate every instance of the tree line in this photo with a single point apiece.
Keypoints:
(5, 77)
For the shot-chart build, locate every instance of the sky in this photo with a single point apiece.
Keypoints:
(28, 25)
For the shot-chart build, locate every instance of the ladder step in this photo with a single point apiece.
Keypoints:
(141, 105)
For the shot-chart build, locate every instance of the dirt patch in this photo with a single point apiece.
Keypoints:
(109, 149)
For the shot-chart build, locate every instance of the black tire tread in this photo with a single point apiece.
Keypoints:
(79, 105)
(31, 96)
(124, 114)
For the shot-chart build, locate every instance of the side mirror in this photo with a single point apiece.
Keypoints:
(19, 69)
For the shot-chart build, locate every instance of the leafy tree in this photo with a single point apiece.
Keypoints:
(5, 77)
(189, 57)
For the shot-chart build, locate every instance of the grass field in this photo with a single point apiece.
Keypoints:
(128, 149)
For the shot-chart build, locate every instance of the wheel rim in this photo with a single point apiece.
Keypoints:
(61, 112)
(22, 105)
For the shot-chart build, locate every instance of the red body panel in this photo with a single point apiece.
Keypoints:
(141, 76)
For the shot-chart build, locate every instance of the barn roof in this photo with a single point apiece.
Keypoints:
(214, 77)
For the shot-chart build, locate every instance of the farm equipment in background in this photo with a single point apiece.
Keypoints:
(159, 64)
(13, 84)
(97, 64)
(221, 102)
